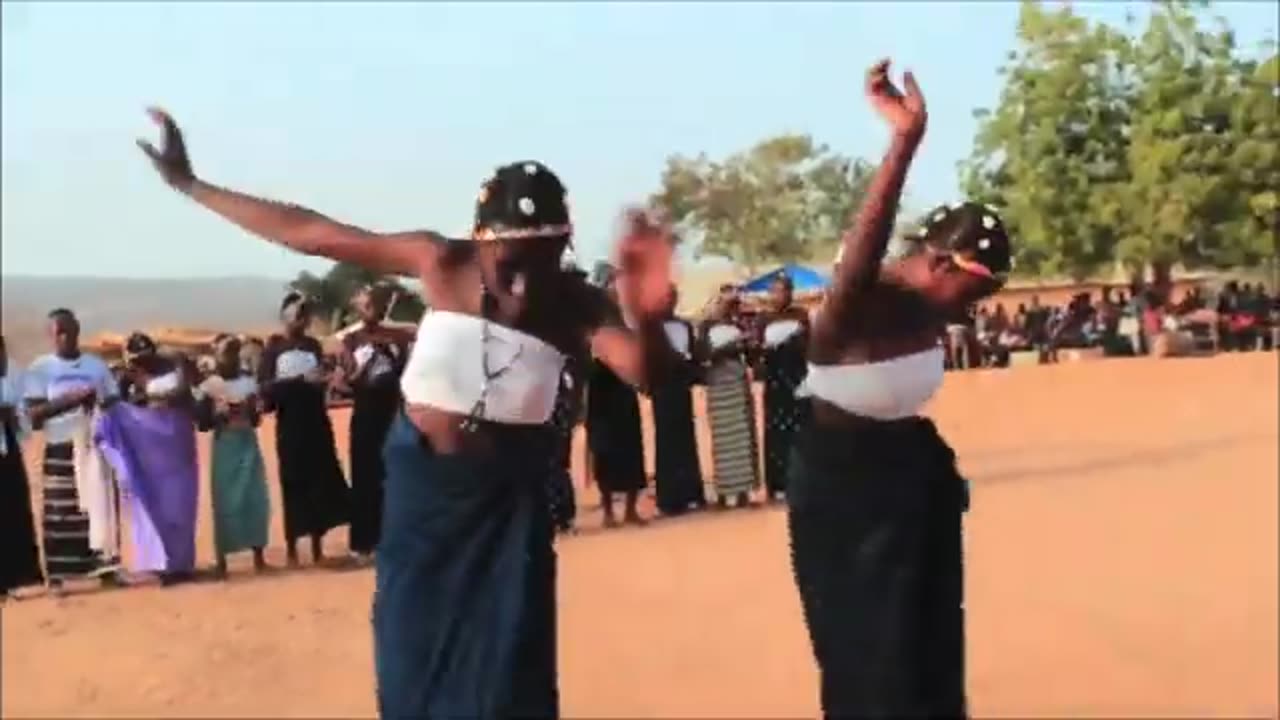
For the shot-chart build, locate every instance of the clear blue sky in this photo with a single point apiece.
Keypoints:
(391, 114)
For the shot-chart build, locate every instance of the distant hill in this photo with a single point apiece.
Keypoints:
(121, 305)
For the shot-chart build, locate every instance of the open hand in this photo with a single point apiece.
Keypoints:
(904, 111)
(643, 258)
(171, 160)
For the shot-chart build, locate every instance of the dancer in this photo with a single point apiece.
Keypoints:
(150, 444)
(614, 437)
(782, 336)
(19, 549)
(228, 408)
(875, 499)
(678, 478)
(464, 610)
(62, 390)
(373, 356)
(730, 403)
(293, 384)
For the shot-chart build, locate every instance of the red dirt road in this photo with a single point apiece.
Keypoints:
(1122, 562)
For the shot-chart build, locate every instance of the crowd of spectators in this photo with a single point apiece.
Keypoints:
(1137, 321)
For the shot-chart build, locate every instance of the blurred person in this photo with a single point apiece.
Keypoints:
(464, 614)
(79, 522)
(730, 401)
(228, 407)
(782, 334)
(876, 501)
(293, 384)
(19, 547)
(373, 358)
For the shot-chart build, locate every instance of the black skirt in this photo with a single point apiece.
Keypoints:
(678, 479)
(372, 411)
(784, 413)
(875, 524)
(19, 549)
(613, 432)
(315, 496)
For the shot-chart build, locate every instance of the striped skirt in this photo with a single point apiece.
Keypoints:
(733, 429)
(65, 526)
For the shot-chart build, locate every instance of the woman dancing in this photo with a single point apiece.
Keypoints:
(875, 500)
(782, 336)
(464, 610)
(373, 357)
(293, 384)
(228, 408)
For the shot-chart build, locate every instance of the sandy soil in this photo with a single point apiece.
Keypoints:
(1123, 563)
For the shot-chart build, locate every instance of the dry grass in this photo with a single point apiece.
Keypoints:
(1122, 563)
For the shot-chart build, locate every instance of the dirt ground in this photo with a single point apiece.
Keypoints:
(1122, 563)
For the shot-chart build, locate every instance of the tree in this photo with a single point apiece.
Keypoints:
(1256, 218)
(785, 199)
(1181, 201)
(1147, 151)
(332, 293)
(1051, 154)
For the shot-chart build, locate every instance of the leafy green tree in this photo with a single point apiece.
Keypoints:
(1181, 198)
(784, 199)
(1051, 154)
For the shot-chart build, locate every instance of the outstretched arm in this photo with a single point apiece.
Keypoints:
(293, 226)
(641, 355)
(864, 244)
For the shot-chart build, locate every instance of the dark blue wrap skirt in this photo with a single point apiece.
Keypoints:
(464, 612)
(875, 523)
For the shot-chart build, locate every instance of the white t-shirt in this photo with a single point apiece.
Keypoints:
(51, 377)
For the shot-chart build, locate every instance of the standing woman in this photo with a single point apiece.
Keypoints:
(782, 334)
(730, 405)
(62, 390)
(875, 500)
(679, 475)
(19, 549)
(614, 436)
(293, 385)
(373, 356)
(565, 419)
(464, 611)
(228, 407)
(150, 444)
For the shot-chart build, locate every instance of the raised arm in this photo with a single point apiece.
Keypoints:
(863, 244)
(297, 228)
(640, 355)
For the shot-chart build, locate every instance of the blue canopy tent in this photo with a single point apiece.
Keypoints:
(803, 279)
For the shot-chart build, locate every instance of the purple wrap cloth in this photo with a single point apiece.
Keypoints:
(153, 453)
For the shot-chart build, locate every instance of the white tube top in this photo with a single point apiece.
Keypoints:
(164, 384)
(889, 390)
(446, 370)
